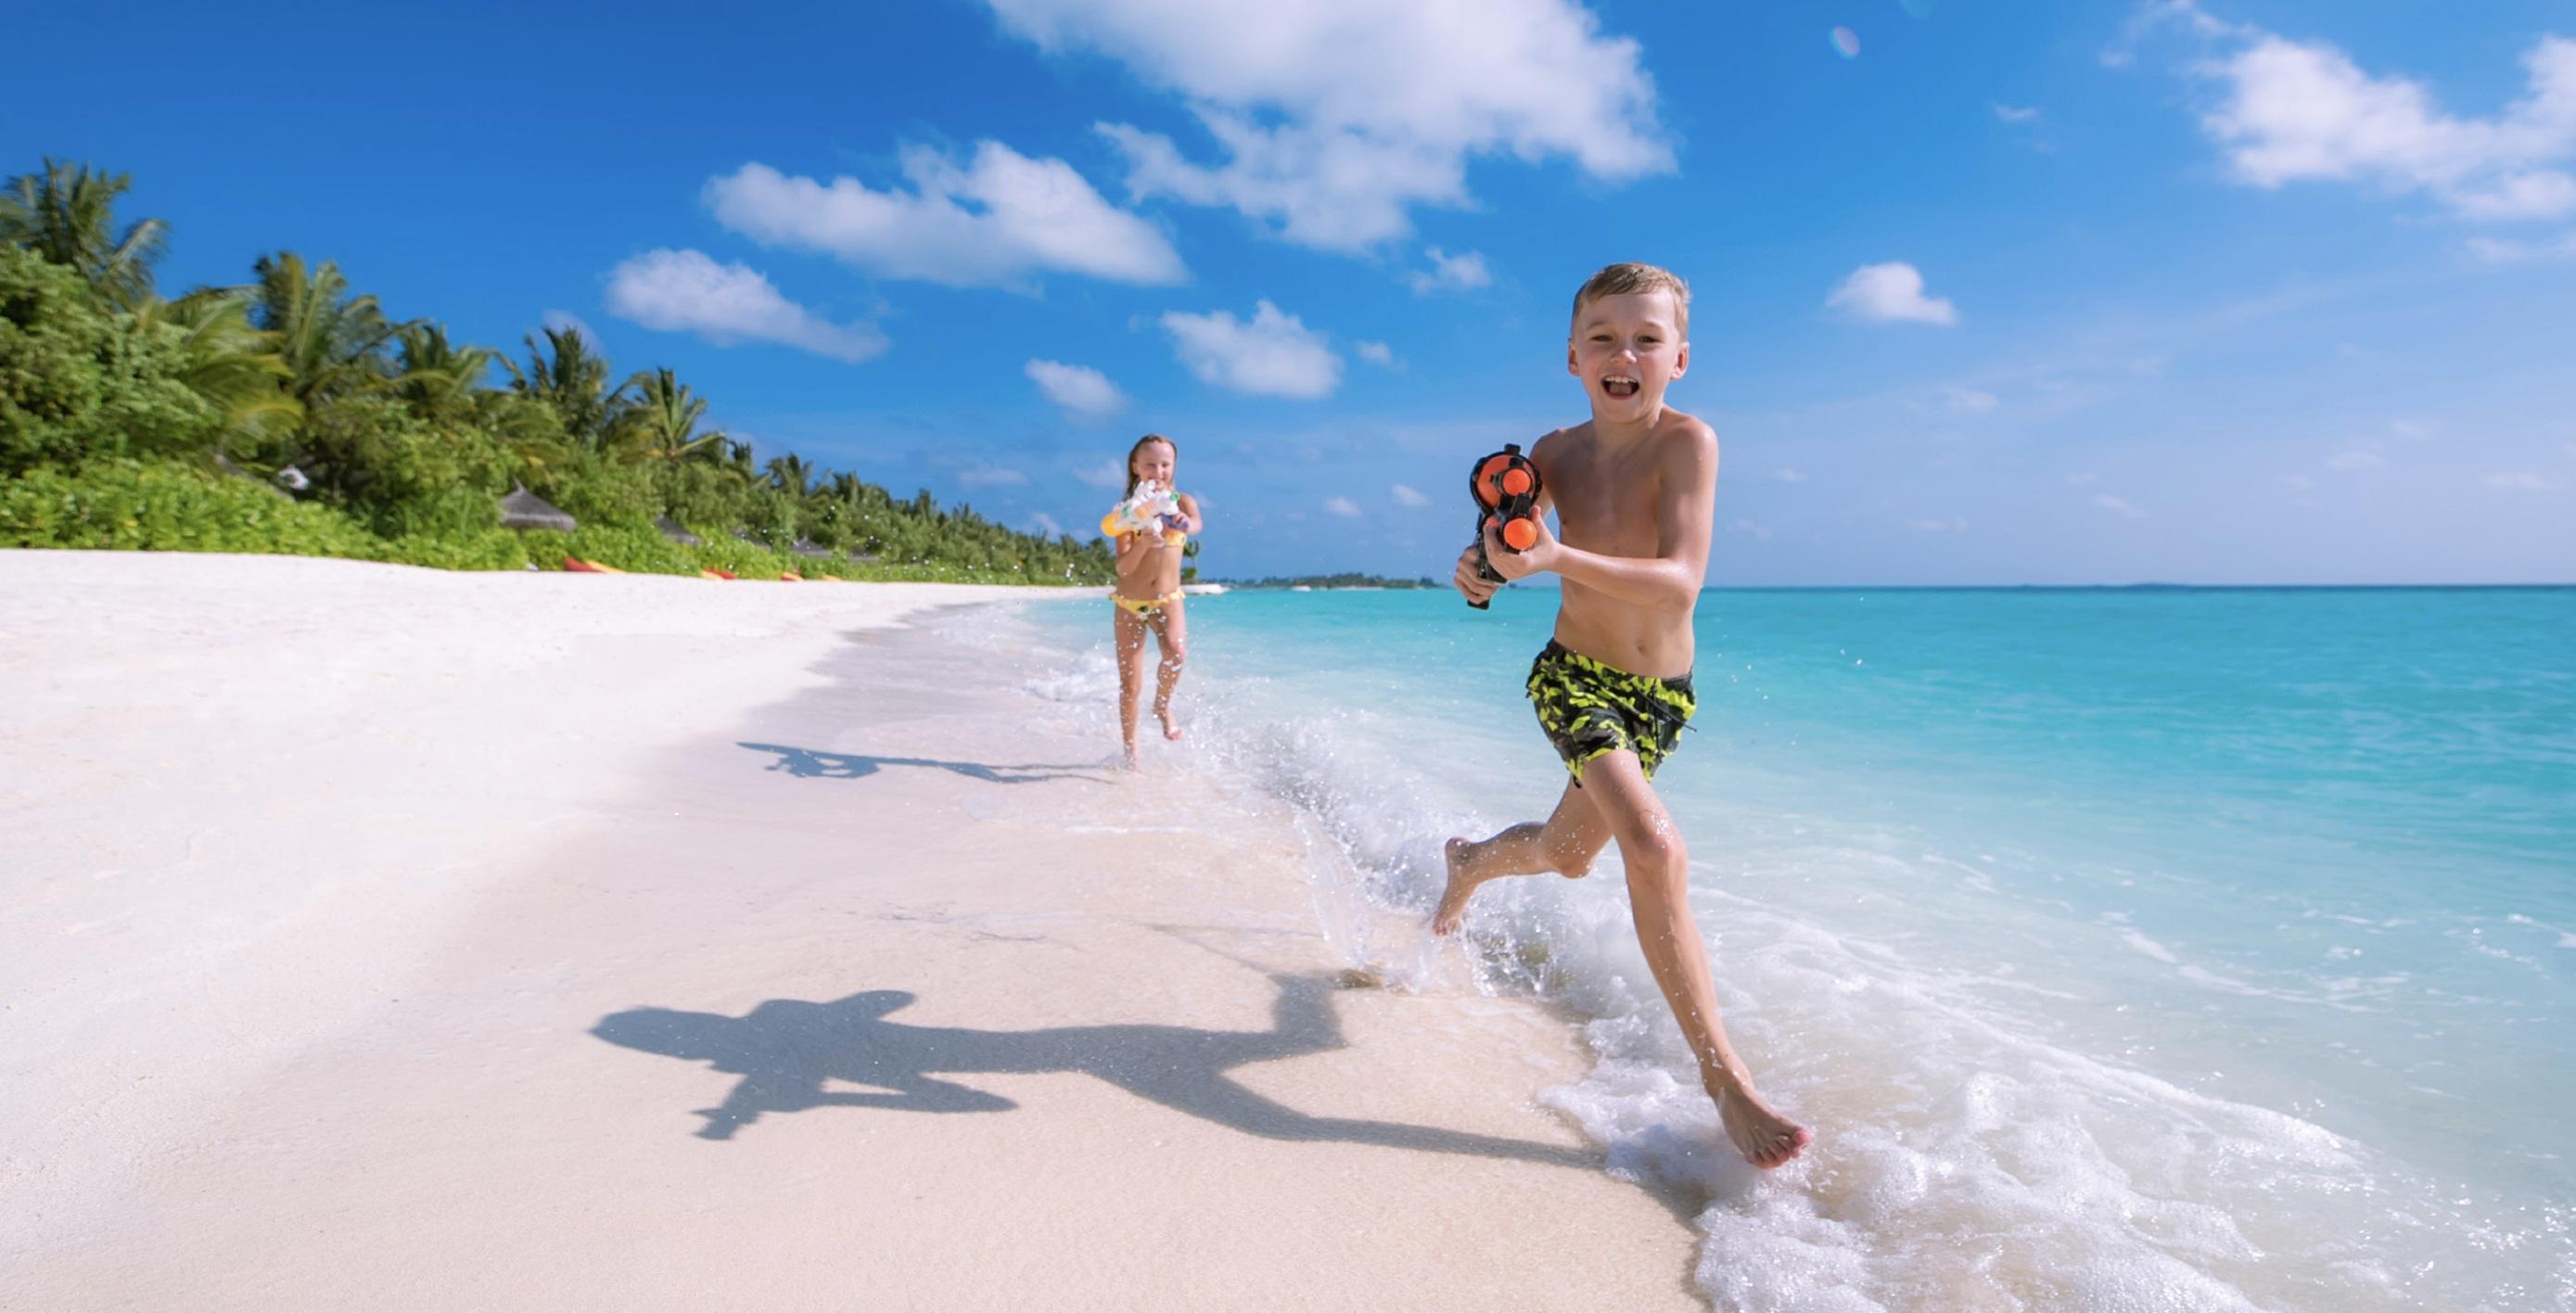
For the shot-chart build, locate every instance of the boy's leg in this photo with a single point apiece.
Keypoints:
(1131, 676)
(1172, 631)
(1658, 863)
(1566, 843)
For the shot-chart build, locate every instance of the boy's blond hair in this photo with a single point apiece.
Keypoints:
(1621, 279)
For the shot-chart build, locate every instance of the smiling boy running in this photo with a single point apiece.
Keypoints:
(1634, 490)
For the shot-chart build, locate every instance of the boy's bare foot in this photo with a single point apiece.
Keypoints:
(1453, 899)
(1765, 1138)
(1129, 761)
(1170, 730)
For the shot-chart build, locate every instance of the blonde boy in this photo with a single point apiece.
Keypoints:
(1634, 490)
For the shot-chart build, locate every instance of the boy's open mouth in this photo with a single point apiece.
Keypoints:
(1622, 388)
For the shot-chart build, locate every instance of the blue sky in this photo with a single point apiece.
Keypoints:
(2017, 293)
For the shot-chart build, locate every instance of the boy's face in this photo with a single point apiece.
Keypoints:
(1627, 349)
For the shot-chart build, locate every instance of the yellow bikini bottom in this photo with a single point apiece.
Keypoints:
(1143, 608)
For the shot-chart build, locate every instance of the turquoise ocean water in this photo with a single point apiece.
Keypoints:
(2135, 948)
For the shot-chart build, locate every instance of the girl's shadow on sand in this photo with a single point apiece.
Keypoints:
(785, 1049)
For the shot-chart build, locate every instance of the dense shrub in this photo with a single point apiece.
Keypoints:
(490, 549)
(165, 506)
(78, 383)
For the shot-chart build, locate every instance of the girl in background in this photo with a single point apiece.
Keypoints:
(1148, 595)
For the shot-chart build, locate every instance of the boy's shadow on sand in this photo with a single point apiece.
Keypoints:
(785, 1049)
(806, 763)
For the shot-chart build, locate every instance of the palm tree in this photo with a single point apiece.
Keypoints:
(67, 215)
(663, 419)
(333, 342)
(793, 474)
(225, 360)
(567, 375)
(437, 377)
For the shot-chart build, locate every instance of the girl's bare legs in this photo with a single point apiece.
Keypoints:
(1131, 676)
(1171, 629)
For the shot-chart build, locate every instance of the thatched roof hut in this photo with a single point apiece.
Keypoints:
(673, 530)
(523, 509)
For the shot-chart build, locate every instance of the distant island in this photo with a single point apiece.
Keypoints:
(1328, 581)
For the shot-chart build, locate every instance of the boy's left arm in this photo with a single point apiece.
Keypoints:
(1685, 507)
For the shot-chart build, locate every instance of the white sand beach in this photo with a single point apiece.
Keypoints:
(388, 938)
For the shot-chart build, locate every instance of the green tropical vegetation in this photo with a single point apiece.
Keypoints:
(294, 414)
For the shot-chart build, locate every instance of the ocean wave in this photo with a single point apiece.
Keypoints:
(1982, 1143)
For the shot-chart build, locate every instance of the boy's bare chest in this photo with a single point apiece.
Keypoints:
(1607, 505)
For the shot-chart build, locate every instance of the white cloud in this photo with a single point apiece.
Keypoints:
(1890, 293)
(685, 291)
(1938, 526)
(1379, 354)
(565, 320)
(1334, 118)
(2347, 461)
(1082, 391)
(2017, 114)
(1788, 475)
(2082, 478)
(1970, 401)
(985, 474)
(1748, 526)
(1271, 355)
(2299, 481)
(2495, 251)
(2518, 481)
(1342, 506)
(1451, 273)
(1043, 523)
(996, 221)
(1405, 496)
(2118, 506)
(2296, 111)
(1106, 474)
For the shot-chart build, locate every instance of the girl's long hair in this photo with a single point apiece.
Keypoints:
(1140, 446)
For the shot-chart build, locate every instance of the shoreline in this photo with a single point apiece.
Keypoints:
(864, 982)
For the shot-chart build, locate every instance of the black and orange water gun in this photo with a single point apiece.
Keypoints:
(1506, 487)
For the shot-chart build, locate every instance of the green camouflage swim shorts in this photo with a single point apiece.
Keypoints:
(1588, 709)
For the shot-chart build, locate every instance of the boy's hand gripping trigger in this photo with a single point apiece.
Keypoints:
(1506, 488)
